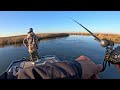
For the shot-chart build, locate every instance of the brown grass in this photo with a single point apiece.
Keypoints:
(19, 39)
(113, 37)
(80, 33)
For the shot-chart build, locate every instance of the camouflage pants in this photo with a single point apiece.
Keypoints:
(34, 56)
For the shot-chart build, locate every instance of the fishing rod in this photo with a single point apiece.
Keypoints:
(111, 56)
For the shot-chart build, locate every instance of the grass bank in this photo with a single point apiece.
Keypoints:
(113, 37)
(19, 39)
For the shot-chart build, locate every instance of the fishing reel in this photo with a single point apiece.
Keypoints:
(111, 56)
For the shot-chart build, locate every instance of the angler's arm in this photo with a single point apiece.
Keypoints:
(81, 68)
(36, 39)
(58, 70)
(24, 42)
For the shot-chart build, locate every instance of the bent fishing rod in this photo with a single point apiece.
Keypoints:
(111, 56)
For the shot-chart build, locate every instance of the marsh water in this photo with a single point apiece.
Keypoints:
(65, 48)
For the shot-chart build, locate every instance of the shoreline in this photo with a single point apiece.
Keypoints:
(114, 37)
(19, 39)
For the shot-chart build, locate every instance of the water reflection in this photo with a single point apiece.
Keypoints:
(14, 45)
(65, 48)
(2, 46)
(54, 38)
(17, 45)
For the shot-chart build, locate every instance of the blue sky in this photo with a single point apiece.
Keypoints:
(18, 22)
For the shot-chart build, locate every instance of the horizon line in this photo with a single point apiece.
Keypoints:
(59, 32)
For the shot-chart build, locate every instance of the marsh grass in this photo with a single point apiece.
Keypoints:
(113, 37)
(19, 39)
(80, 33)
(109, 36)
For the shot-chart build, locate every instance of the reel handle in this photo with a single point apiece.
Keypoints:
(105, 43)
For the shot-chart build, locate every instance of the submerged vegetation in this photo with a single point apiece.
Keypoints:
(19, 39)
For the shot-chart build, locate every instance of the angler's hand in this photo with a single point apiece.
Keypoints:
(26, 45)
(89, 68)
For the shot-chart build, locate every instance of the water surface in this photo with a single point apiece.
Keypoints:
(66, 48)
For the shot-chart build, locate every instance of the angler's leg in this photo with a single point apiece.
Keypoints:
(35, 56)
(31, 56)
(36, 53)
